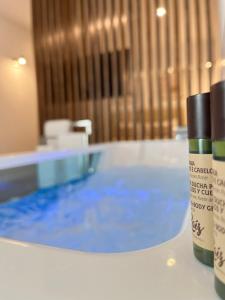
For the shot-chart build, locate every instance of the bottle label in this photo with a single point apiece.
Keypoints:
(200, 169)
(219, 218)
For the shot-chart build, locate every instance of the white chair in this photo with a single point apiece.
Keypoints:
(72, 140)
(84, 124)
(58, 134)
(54, 128)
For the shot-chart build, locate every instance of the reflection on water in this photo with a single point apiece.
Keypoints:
(115, 210)
(20, 181)
(51, 173)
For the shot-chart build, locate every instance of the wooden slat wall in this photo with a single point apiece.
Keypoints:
(118, 64)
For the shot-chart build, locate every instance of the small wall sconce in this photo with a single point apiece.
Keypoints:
(21, 60)
(160, 12)
(208, 64)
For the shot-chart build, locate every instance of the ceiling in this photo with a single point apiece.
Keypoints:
(18, 11)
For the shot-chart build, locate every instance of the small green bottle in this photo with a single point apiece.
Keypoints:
(200, 170)
(218, 137)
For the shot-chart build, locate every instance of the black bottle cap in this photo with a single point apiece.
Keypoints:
(218, 110)
(198, 116)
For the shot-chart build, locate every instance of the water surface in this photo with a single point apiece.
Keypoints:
(120, 209)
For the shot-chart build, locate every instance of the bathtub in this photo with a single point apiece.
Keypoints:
(158, 265)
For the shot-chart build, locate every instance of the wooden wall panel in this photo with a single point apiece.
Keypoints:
(118, 64)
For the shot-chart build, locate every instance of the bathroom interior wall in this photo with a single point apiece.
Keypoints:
(119, 64)
(18, 100)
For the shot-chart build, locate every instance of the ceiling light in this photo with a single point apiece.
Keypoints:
(160, 11)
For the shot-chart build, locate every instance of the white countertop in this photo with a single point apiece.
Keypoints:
(168, 271)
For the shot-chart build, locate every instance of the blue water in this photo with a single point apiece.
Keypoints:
(121, 209)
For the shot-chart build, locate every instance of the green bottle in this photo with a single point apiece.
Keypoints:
(200, 170)
(218, 137)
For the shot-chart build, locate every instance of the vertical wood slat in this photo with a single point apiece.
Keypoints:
(188, 36)
(149, 88)
(88, 58)
(177, 61)
(109, 49)
(71, 111)
(118, 64)
(60, 41)
(98, 58)
(96, 65)
(105, 70)
(125, 55)
(65, 8)
(112, 69)
(129, 81)
(169, 72)
(115, 70)
(159, 48)
(137, 74)
(49, 40)
(39, 64)
(204, 58)
(154, 70)
(145, 87)
(75, 32)
(198, 42)
(183, 87)
(215, 40)
(137, 69)
(38, 61)
(163, 68)
(140, 73)
(120, 45)
(46, 59)
(133, 103)
(81, 59)
(194, 49)
(209, 41)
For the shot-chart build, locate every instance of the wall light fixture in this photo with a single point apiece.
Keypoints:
(21, 60)
(208, 64)
(160, 11)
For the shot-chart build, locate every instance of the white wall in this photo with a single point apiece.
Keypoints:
(18, 99)
(222, 17)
